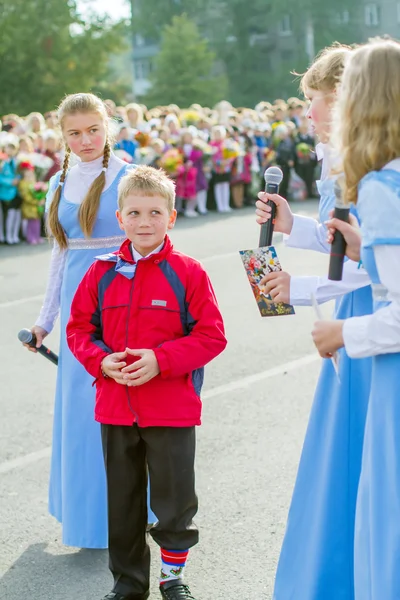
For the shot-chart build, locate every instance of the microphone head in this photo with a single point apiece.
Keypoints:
(273, 176)
(25, 336)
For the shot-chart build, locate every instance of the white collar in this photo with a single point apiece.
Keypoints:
(320, 150)
(137, 256)
(94, 167)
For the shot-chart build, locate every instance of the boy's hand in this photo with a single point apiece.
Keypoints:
(142, 370)
(112, 364)
(277, 285)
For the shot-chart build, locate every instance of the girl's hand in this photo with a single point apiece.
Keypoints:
(284, 216)
(277, 285)
(40, 334)
(351, 233)
(328, 337)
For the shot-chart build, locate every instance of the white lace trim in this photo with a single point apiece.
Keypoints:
(88, 244)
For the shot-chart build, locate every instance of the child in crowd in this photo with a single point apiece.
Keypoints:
(147, 356)
(10, 203)
(32, 208)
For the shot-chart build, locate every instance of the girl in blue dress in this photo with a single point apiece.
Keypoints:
(81, 208)
(316, 560)
(368, 128)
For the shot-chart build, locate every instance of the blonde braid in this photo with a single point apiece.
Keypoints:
(53, 225)
(90, 206)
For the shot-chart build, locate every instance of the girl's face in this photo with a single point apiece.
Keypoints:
(24, 147)
(35, 124)
(319, 112)
(11, 151)
(187, 138)
(29, 175)
(85, 134)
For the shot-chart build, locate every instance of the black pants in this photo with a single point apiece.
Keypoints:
(306, 172)
(169, 454)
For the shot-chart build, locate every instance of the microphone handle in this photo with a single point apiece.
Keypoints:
(44, 351)
(267, 229)
(338, 248)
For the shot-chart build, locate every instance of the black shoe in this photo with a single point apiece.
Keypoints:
(176, 590)
(117, 596)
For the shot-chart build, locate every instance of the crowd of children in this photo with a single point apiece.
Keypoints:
(217, 156)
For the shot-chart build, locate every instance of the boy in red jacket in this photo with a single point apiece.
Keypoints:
(144, 322)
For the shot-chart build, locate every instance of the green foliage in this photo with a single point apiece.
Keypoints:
(47, 51)
(244, 35)
(183, 71)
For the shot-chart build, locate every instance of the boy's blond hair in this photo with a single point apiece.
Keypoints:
(147, 181)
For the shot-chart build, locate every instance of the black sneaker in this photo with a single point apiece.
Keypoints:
(117, 596)
(176, 590)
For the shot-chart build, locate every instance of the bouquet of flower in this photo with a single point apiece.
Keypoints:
(206, 150)
(171, 160)
(190, 117)
(303, 152)
(231, 150)
(269, 156)
(41, 163)
(143, 138)
(39, 191)
(144, 156)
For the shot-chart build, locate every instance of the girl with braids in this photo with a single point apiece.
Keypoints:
(316, 561)
(80, 208)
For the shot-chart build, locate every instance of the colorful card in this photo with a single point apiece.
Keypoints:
(258, 263)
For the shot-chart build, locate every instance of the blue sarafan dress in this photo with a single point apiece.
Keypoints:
(377, 537)
(77, 493)
(316, 561)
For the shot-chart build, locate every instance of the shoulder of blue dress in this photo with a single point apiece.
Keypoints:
(388, 177)
(110, 257)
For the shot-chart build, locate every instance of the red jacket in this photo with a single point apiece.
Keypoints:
(164, 302)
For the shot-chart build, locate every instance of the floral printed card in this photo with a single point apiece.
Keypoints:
(257, 264)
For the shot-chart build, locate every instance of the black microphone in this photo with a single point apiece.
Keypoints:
(273, 178)
(27, 337)
(338, 248)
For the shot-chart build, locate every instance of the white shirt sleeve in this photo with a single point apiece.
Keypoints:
(378, 333)
(307, 233)
(51, 304)
(324, 290)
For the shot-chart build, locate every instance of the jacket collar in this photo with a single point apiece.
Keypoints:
(125, 253)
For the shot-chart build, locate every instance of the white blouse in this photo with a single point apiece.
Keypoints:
(77, 184)
(307, 233)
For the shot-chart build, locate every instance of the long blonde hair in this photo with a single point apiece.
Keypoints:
(73, 104)
(366, 119)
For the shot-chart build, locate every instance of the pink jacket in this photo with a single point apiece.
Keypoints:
(186, 182)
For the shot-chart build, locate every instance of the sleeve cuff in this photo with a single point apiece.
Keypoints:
(47, 325)
(163, 362)
(301, 289)
(355, 334)
(301, 230)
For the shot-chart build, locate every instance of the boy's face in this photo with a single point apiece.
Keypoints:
(145, 221)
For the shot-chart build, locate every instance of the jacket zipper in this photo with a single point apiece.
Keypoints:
(126, 345)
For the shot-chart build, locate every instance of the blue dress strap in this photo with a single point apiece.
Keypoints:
(379, 208)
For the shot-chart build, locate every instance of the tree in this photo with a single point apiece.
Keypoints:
(47, 51)
(184, 68)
